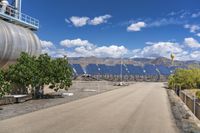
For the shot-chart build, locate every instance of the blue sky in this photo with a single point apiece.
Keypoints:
(115, 28)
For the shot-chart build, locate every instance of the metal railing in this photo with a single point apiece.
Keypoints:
(9, 12)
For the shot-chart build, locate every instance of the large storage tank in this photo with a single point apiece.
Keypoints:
(15, 39)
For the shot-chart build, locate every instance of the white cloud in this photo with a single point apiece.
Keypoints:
(192, 28)
(195, 55)
(196, 15)
(103, 51)
(174, 18)
(198, 34)
(165, 21)
(100, 20)
(46, 44)
(110, 51)
(74, 43)
(172, 13)
(136, 26)
(191, 42)
(52, 50)
(158, 49)
(83, 48)
(185, 14)
(79, 21)
(82, 21)
(180, 14)
(164, 49)
(55, 52)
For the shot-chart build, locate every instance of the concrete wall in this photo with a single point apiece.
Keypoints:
(7, 100)
(11, 99)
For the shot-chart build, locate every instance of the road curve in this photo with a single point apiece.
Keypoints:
(138, 108)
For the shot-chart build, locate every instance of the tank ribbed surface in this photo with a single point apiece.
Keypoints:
(14, 40)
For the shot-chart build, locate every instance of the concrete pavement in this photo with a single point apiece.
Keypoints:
(138, 108)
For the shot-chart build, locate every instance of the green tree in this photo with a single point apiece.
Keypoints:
(61, 74)
(171, 82)
(22, 73)
(198, 94)
(35, 73)
(4, 85)
(185, 79)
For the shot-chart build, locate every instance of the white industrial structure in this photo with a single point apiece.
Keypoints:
(16, 33)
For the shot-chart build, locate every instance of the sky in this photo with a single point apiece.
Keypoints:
(118, 28)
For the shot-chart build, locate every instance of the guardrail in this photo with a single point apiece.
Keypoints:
(9, 12)
(191, 102)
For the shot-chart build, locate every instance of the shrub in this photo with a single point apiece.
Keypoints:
(4, 85)
(35, 72)
(185, 79)
(198, 94)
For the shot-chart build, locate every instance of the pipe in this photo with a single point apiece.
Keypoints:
(18, 5)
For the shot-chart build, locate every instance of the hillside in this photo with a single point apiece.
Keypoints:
(135, 61)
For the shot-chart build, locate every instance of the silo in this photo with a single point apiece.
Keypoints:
(16, 36)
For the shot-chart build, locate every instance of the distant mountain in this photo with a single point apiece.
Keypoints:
(84, 61)
(142, 59)
(165, 61)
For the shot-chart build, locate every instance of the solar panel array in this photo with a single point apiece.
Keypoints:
(125, 69)
(78, 70)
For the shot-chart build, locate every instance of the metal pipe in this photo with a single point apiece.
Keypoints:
(18, 5)
(18, 8)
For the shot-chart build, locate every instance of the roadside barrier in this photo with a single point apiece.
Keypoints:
(192, 102)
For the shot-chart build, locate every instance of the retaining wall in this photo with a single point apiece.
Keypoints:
(7, 100)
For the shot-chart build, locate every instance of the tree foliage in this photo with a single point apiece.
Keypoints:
(4, 85)
(185, 78)
(61, 74)
(23, 72)
(36, 72)
(198, 94)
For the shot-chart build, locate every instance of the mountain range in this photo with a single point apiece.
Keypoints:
(84, 61)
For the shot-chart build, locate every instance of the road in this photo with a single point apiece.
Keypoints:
(138, 108)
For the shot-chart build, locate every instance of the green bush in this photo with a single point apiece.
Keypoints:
(36, 72)
(198, 94)
(4, 85)
(185, 79)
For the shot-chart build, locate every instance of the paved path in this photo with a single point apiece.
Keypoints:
(138, 108)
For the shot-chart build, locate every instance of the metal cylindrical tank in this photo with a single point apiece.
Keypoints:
(15, 39)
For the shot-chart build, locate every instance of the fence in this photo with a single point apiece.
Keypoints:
(191, 102)
(11, 13)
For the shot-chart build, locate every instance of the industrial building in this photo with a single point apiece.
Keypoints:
(17, 32)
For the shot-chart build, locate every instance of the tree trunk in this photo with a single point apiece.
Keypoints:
(36, 92)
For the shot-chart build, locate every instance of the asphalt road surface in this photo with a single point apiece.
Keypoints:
(138, 108)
